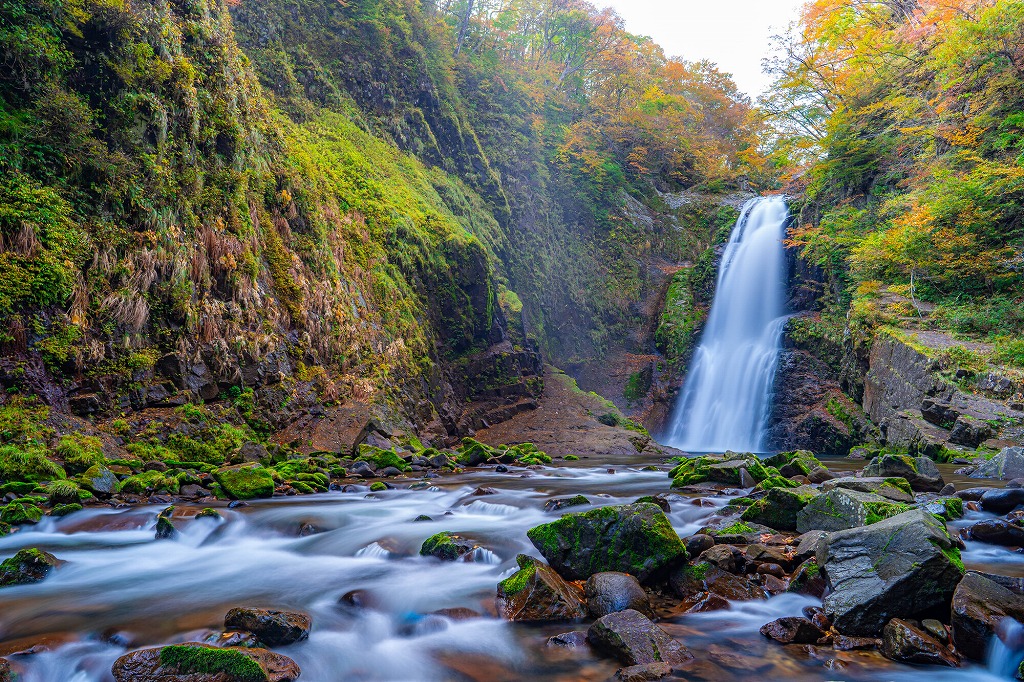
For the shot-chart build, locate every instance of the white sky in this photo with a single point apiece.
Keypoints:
(732, 33)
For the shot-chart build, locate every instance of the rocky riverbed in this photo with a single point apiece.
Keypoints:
(587, 570)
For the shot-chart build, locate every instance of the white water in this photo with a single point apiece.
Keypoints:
(727, 394)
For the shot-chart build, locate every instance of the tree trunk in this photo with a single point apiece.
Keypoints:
(463, 27)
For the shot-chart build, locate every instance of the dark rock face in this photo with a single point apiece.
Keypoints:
(1007, 465)
(27, 566)
(633, 639)
(636, 539)
(1002, 501)
(792, 630)
(273, 628)
(611, 592)
(897, 568)
(695, 584)
(979, 604)
(920, 472)
(970, 431)
(906, 643)
(537, 593)
(997, 532)
(144, 666)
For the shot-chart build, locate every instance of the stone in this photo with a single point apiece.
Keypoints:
(920, 472)
(840, 508)
(644, 673)
(245, 481)
(273, 628)
(846, 643)
(792, 630)
(698, 544)
(448, 546)
(996, 532)
(969, 431)
(611, 592)
(146, 665)
(770, 554)
(808, 579)
(1007, 465)
(807, 544)
(563, 502)
(725, 557)
(780, 507)
(979, 604)
(568, 640)
(972, 494)
(536, 593)
(936, 629)
(27, 566)
(895, 489)
(693, 583)
(939, 412)
(100, 481)
(251, 451)
(905, 643)
(897, 568)
(637, 539)
(1002, 501)
(633, 639)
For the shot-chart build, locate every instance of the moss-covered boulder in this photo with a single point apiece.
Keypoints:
(100, 481)
(447, 546)
(920, 472)
(894, 488)
(727, 470)
(20, 513)
(204, 663)
(536, 593)
(245, 481)
(474, 453)
(900, 567)
(840, 508)
(779, 508)
(27, 566)
(636, 539)
(381, 459)
(149, 482)
(798, 462)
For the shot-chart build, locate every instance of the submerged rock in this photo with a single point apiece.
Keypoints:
(1002, 501)
(611, 592)
(196, 662)
(273, 628)
(997, 532)
(537, 593)
(563, 502)
(27, 566)
(633, 639)
(896, 568)
(979, 604)
(644, 673)
(905, 643)
(636, 539)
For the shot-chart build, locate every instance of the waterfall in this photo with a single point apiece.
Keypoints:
(726, 397)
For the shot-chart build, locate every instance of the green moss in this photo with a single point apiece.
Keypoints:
(209, 513)
(149, 482)
(79, 452)
(776, 482)
(571, 458)
(738, 528)
(27, 463)
(900, 484)
(698, 571)
(518, 581)
(65, 509)
(20, 513)
(245, 481)
(381, 458)
(212, 661)
(954, 507)
(877, 511)
(378, 487)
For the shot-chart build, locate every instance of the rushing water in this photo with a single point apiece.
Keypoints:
(122, 589)
(726, 398)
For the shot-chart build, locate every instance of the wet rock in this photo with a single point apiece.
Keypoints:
(389, 472)
(100, 481)
(232, 638)
(447, 546)
(935, 629)
(644, 673)
(698, 544)
(725, 557)
(972, 494)
(920, 472)
(905, 643)
(457, 613)
(1007, 465)
(6, 674)
(660, 499)
(568, 640)
(840, 508)
(537, 593)
(780, 507)
(637, 539)
(701, 602)
(1002, 501)
(807, 579)
(611, 592)
(807, 544)
(245, 481)
(179, 664)
(792, 630)
(895, 489)
(251, 451)
(633, 639)
(769, 554)
(693, 582)
(896, 568)
(996, 532)
(979, 604)
(563, 502)
(948, 490)
(27, 566)
(273, 628)
(820, 475)
(847, 643)
(165, 530)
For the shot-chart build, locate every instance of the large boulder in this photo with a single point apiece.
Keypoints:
(100, 481)
(899, 567)
(633, 639)
(195, 662)
(245, 481)
(536, 593)
(907, 643)
(920, 472)
(1002, 500)
(27, 566)
(273, 628)
(997, 532)
(780, 507)
(895, 489)
(979, 603)
(1006, 466)
(841, 508)
(611, 592)
(635, 538)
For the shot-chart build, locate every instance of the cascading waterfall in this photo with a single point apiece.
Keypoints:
(726, 398)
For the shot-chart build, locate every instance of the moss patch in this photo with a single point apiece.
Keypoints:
(212, 661)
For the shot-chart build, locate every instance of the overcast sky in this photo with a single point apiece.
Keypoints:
(732, 33)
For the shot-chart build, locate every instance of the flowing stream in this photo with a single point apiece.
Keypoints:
(726, 398)
(121, 588)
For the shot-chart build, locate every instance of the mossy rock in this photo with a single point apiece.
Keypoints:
(232, 665)
(245, 481)
(447, 546)
(20, 513)
(637, 539)
(65, 509)
(27, 566)
(381, 459)
(149, 482)
(780, 507)
(378, 486)
(209, 513)
(840, 509)
(474, 453)
(536, 593)
(775, 482)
